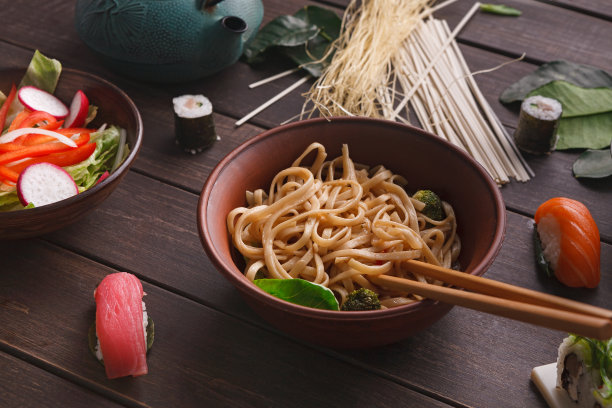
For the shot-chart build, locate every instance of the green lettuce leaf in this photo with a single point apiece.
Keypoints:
(87, 173)
(300, 292)
(43, 73)
(9, 201)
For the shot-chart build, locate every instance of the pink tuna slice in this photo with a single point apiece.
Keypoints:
(119, 325)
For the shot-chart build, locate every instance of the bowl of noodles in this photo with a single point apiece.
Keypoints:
(331, 202)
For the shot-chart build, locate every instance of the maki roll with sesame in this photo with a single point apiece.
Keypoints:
(194, 125)
(538, 122)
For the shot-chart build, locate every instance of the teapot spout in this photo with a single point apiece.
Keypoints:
(234, 24)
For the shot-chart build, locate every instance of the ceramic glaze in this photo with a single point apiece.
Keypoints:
(167, 40)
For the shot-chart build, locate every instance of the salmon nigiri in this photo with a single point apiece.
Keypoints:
(570, 241)
(121, 325)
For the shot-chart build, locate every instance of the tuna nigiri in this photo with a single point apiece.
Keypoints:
(570, 241)
(121, 325)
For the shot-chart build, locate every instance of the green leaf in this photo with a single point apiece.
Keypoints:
(585, 132)
(577, 101)
(539, 253)
(578, 74)
(593, 164)
(304, 37)
(42, 72)
(305, 56)
(327, 20)
(499, 9)
(316, 48)
(300, 292)
(286, 31)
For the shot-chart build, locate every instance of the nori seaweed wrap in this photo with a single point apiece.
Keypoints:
(194, 125)
(536, 131)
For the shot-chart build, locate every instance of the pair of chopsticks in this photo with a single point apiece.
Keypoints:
(505, 300)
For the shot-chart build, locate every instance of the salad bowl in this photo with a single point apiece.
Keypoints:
(114, 108)
(425, 160)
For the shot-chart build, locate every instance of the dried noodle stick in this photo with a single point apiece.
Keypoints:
(382, 62)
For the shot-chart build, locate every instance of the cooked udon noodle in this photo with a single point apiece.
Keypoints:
(335, 223)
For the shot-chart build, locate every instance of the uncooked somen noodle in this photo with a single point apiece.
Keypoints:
(335, 223)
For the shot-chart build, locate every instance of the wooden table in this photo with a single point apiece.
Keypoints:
(211, 350)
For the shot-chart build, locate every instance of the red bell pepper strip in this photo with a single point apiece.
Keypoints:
(53, 126)
(32, 139)
(10, 147)
(72, 131)
(18, 119)
(35, 118)
(62, 159)
(41, 150)
(9, 174)
(6, 105)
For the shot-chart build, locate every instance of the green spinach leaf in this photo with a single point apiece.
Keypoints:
(300, 292)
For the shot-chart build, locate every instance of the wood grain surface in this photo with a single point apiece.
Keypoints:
(211, 349)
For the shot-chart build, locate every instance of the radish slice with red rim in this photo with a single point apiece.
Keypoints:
(79, 108)
(38, 100)
(45, 183)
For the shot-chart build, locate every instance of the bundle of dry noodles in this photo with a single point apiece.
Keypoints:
(392, 52)
(335, 223)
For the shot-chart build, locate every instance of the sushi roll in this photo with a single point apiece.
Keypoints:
(123, 332)
(567, 242)
(538, 122)
(580, 374)
(194, 126)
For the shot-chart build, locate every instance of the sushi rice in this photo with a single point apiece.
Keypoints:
(578, 375)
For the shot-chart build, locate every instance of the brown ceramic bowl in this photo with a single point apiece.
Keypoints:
(114, 107)
(424, 159)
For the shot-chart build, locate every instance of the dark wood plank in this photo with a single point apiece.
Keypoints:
(24, 385)
(469, 338)
(599, 8)
(201, 357)
(544, 32)
(489, 358)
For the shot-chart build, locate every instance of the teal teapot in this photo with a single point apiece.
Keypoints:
(167, 40)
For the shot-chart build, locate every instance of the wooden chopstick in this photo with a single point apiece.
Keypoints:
(505, 300)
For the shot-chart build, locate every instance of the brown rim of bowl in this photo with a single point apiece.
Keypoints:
(332, 314)
(134, 150)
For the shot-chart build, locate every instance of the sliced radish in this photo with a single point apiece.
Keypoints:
(38, 100)
(103, 177)
(79, 108)
(45, 183)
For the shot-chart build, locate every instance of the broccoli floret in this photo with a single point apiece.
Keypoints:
(433, 205)
(361, 299)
